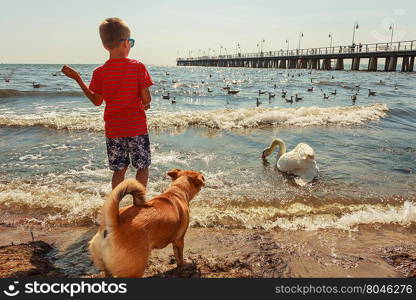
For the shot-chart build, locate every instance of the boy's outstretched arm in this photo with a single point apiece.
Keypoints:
(96, 99)
(146, 98)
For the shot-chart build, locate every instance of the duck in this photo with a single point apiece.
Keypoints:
(226, 87)
(289, 100)
(7, 80)
(209, 90)
(262, 92)
(271, 96)
(371, 93)
(310, 89)
(36, 85)
(258, 102)
(284, 94)
(173, 101)
(174, 81)
(299, 162)
(334, 92)
(298, 98)
(325, 96)
(54, 74)
(274, 86)
(167, 97)
(232, 92)
(354, 98)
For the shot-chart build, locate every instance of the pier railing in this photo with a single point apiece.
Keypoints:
(358, 48)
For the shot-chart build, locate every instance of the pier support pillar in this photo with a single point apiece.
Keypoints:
(372, 64)
(326, 64)
(292, 64)
(386, 64)
(282, 64)
(355, 66)
(405, 64)
(393, 64)
(412, 64)
(340, 64)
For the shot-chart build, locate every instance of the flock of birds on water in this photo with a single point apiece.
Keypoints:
(284, 93)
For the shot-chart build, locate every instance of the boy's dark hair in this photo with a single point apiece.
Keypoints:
(112, 30)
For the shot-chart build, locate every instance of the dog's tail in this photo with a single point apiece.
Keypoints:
(110, 209)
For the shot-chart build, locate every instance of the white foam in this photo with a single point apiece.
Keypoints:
(62, 199)
(299, 216)
(216, 119)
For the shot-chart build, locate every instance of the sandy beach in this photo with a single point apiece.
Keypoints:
(385, 251)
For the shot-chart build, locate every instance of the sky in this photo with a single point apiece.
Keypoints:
(61, 32)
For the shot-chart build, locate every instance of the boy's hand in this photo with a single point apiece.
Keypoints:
(71, 73)
(146, 107)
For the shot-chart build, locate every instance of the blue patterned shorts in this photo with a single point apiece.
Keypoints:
(121, 150)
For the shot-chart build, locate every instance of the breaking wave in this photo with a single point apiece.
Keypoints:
(216, 119)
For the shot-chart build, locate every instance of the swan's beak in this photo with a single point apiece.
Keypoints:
(263, 155)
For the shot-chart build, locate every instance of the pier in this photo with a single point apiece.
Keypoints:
(325, 58)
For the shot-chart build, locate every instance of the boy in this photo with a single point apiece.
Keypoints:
(123, 84)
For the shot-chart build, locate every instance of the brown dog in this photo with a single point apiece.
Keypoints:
(126, 236)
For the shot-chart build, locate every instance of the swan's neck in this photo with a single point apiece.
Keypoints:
(282, 147)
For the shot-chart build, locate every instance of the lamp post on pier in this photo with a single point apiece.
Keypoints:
(260, 45)
(331, 35)
(236, 48)
(300, 36)
(356, 26)
(391, 28)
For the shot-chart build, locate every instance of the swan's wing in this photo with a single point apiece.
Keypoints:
(304, 151)
(302, 157)
(289, 162)
(306, 175)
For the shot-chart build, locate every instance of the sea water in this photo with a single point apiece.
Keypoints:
(54, 169)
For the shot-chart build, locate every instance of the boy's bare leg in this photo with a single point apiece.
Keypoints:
(118, 176)
(142, 176)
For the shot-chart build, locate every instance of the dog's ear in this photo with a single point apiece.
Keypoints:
(173, 173)
(198, 180)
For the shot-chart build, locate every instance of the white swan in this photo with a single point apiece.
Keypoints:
(300, 161)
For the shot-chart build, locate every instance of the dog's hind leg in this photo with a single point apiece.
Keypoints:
(178, 251)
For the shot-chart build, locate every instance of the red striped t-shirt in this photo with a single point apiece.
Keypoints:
(119, 81)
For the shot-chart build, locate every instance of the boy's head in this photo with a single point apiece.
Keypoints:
(113, 31)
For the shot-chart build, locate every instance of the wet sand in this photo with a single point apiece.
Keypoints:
(386, 251)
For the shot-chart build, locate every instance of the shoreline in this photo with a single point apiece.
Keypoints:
(371, 251)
